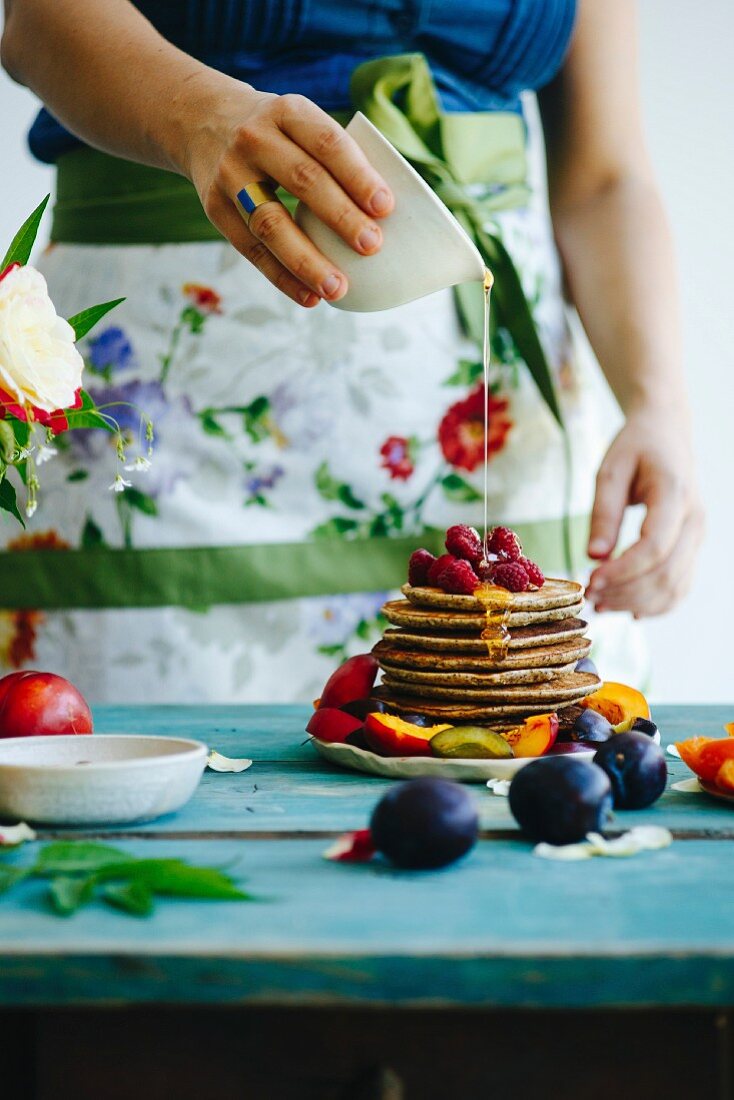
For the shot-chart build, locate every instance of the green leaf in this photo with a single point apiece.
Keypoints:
(142, 502)
(87, 416)
(9, 501)
(336, 527)
(68, 893)
(72, 856)
(459, 490)
(9, 875)
(467, 373)
(255, 416)
(91, 535)
(78, 475)
(174, 878)
(211, 425)
(193, 318)
(8, 445)
(132, 897)
(22, 243)
(330, 488)
(83, 322)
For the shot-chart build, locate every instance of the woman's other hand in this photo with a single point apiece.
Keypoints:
(245, 135)
(650, 462)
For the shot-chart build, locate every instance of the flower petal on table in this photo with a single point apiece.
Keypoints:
(13, 835)
(687, 786)
(218, 763)
(499, 786)
(356, 847)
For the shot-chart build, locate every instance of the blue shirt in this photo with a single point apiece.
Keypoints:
(482, 53)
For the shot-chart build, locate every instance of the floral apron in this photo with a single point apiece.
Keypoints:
(318, 440)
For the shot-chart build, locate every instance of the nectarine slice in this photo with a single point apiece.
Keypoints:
(690, 749)
(712, 755)
(725, 776)
(619, 703)
(729, 727)
(535, 737)
(331, 724)
(389, 735)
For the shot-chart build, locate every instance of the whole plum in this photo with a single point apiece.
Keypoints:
(636, 768)
(425, 823)
(560, 799)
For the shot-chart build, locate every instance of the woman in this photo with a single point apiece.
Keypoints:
(291, 441)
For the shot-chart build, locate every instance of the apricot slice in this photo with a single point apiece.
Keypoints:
(729, 727)
(535, 737)
(619, 703)
(725, 776)
(689, 751)
(712, 756)
(470, 743)
(389, 735)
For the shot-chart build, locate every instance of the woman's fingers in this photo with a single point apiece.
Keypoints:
(229, 222)
(667, 506)
(273, 227)
(307, 179)
(612, 495)
(330, 144)
(658, 590)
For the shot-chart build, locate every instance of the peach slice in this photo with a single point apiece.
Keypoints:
(712, 755)
(690, 750)
(725, 776)
(729, 727)
(535, 737)
(619, 703)
(389, 735)
(331, 724)
(352, 680)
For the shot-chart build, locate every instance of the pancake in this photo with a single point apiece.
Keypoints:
(390, 654)
(472, 680)
(554, 593)
(403, 613)
(522, 637)
(496, 717)
(570, 687)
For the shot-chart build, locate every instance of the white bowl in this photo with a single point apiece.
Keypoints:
(424, 249)
(410, 767)
(97, 779)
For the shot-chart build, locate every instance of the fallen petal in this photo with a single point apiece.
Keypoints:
(354, 847)
(218, 763)
(673, 751)
(563, 852)
(499, 786)
(12, 835)
(687, 786)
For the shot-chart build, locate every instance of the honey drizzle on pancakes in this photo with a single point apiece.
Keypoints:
(496, 602)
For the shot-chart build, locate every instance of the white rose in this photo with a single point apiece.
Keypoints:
(39, 362)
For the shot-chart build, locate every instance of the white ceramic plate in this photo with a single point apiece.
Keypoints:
(97, 779)
(410, 767)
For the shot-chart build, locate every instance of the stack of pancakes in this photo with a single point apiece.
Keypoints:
(435, 661)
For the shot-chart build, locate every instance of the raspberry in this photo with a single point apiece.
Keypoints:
(534, 572)
(438, 567)
(464, 542)
(504, 541)
(458, 578)
(510, 575)
(418, 566)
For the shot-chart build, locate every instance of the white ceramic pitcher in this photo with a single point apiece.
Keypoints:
(424, 248)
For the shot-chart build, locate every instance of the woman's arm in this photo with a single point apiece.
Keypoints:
(619, 265)
(110, 78)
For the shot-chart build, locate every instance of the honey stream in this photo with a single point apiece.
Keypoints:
(495, 600)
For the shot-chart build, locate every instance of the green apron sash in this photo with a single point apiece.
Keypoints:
(199, 577)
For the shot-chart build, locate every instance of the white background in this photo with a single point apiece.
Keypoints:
(687, 75)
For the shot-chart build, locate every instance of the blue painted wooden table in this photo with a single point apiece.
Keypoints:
(500, 930)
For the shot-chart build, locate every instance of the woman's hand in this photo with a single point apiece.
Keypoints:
(244, 135)
(650, 462)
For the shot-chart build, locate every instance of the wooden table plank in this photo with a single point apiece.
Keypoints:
(290, 789)
(501, 928)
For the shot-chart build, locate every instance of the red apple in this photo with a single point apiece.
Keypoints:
(352, 680)
(41, 703)
(330, 724)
